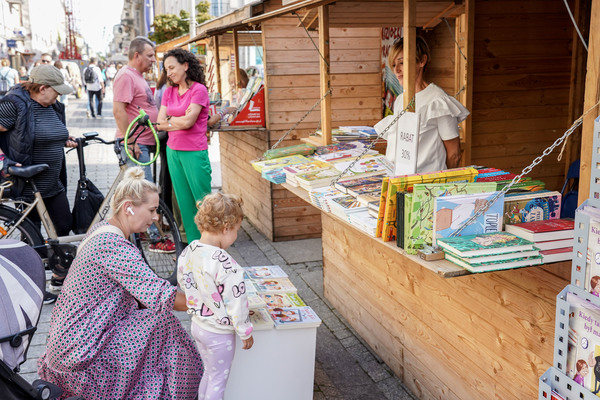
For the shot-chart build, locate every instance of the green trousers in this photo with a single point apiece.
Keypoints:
(190, 172)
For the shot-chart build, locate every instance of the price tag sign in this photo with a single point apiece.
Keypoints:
(407, 144)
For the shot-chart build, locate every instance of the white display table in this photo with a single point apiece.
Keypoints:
(280, 365)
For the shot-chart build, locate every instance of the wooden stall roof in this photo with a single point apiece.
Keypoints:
(175, 42)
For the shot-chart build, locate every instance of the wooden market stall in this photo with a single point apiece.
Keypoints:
(447, 335)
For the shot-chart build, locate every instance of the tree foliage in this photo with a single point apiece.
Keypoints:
(170, 26)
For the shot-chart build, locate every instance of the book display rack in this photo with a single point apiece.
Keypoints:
(555, 383)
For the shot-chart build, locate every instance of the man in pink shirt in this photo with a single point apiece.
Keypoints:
(130, 92)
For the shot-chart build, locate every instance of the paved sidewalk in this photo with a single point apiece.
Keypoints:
(345, 366)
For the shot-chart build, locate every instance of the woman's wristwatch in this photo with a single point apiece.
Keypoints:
(169, 121)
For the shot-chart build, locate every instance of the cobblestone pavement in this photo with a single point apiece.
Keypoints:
(345, 367)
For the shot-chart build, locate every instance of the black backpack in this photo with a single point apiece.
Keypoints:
(89, 75)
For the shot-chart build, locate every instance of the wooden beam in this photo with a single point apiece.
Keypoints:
(451, 9)
(592, 95)
(324, 63)
(236, 61)
(218, 64)
(464, 73)
(410, 52)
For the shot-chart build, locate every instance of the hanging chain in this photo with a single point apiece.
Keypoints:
(311, 39)
(301, 119)
(373, 142)
(524, 172)
(454, 37)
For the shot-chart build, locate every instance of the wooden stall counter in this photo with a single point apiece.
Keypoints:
(448, 334)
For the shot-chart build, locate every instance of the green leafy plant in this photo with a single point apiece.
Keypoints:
(170, 26)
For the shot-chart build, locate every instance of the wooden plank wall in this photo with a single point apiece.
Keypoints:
(522, 72)
(292, 83)
(237, 149)
(479, 336)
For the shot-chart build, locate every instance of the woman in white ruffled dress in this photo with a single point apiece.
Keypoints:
(439, 142)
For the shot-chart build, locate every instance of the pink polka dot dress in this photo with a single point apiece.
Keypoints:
(112, 332)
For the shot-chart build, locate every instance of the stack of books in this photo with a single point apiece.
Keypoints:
(291, 171)
(553, 237)
(344, 206)
(490, 251)
(319, 197)
(364, 221)
(283, 308)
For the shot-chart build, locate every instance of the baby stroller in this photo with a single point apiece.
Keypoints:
(22, 286)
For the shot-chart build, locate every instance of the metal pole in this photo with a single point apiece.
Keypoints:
(193, 19)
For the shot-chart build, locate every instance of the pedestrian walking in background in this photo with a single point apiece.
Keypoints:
(64, 98)
(9, 77)
(184, 114)
(111, 71)
(94, 83)
(23, 75)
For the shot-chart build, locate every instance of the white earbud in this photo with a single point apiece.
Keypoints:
(130, 210)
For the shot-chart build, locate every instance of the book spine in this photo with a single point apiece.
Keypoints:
(382, 201)
(400, 215)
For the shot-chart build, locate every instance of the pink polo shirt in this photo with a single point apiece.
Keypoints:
(130, 87)
(194, 138)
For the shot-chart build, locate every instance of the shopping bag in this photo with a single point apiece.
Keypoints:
(87, 202)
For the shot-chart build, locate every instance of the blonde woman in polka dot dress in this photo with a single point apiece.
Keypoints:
(112, 332)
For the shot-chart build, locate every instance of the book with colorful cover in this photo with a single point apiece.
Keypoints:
(387, 206)
(332, 148)
(278, 285)
(408, 197)
(291, 171)
(385, 183)
(279, 162)
(544, 230)
(261, 319)
(498, 257)
(421, 228)
(495, 265)
(583, 347)
(533, 206)
(343, 155)
(255, 301)
(484, 244)
(317, 196)
(365, 189)
(522, 187)
(363, 221)
(592, 265)
(265, 272)
(275, 175)
(366, 166)
(294, 317)
(367, 199)
(348, 184)
(451, 212)
(317, 179)
(282, 300)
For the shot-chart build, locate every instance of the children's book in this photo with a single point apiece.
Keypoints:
(408, 197)
(275, 175)
(366, 166)
(282, 300)
(364, 222)
(522, 187)
(265, 272)
(592, 266)
(255, 301)
(342, 155)
(346, 185)
(261, 319)
(368, 189)
(292, 170)
(278, 285)
(451, 213)
(387, 206)
(295, 317)
(583, 350)
(534, 206)
(484, 243)
(317, 179)
(495, 265)
(279, 162)
(544, 230)
(317, 195)
(422, 208)
(498, 257)
(332, 148)
(556, 255)
(250, 287)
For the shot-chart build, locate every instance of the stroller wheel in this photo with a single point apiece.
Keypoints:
(43, 390)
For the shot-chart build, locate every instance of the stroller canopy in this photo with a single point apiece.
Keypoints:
(22, 283)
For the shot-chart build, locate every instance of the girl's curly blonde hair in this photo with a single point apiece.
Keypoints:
(218, 212)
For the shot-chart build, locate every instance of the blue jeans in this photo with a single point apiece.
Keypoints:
(144, 157)
(98, 95)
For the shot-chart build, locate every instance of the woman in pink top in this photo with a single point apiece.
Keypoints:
(184, 114)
